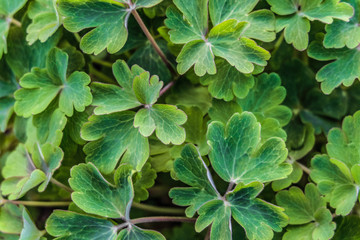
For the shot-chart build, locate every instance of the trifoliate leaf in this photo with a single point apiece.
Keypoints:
(93, 194)
(203, 197)
(10, 219)
(189, 25)
(297, 15)
(142, 181)
(337, 176)
(237, 156)
(340, 34)
(348, 228)
(7, 10)
(118, 139)
(228, 82)
(29, 231)
(138, 89)
(137, 233)
(308, 211)
(343, 70)
(108, 18)
(45, 20)
(20, 174)
(75, 226)
(41, 86)
(334, 181)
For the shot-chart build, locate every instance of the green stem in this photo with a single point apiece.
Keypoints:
(38, 203)
(59, 184)
(101, 76)
(15, 22)
(162, 219)
(153, 42)
(164, 210)
(279, 42)
(155, 219)
(102, 62)
(303, 167)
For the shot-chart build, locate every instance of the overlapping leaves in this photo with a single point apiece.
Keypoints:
(95, 195)
(297, 14)
(136, 89)
(237, 157)
(109, 19)
(228, 39)
(337, 175)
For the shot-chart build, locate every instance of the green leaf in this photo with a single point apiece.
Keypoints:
(10, 219)
(142, 181)
(228, 83)
(41, 86)
(261, 22)
(45, 20)
(294, 177)
(118, 139)
(49, 126)
(237, 155)
(308, 211)
(20, 174)
(21, 57)
(7, 10)
(297, 15)
(147, 58)
(191, 170)
(108, 20)
(137, 233)
(340, 34)
(29, 231)
(334, 181)
(95, 195)
(252, 213)
(75, 226)
(166, 119)
(189, 26)
(342, 70)
(186, 94)
(138, 89)
(110, 98)
(264, 99)
(203, 197)
(348, 228)
(337, 175)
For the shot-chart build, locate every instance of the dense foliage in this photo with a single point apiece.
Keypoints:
(179, 119)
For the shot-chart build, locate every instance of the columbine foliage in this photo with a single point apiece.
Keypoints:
(238, 118)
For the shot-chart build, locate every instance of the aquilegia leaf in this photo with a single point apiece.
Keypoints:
(109, 19)
(338, 175)
(228, 38)
(308, 215)
(236, 157)
(296, 16)
(139, 89)
(41, 86)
